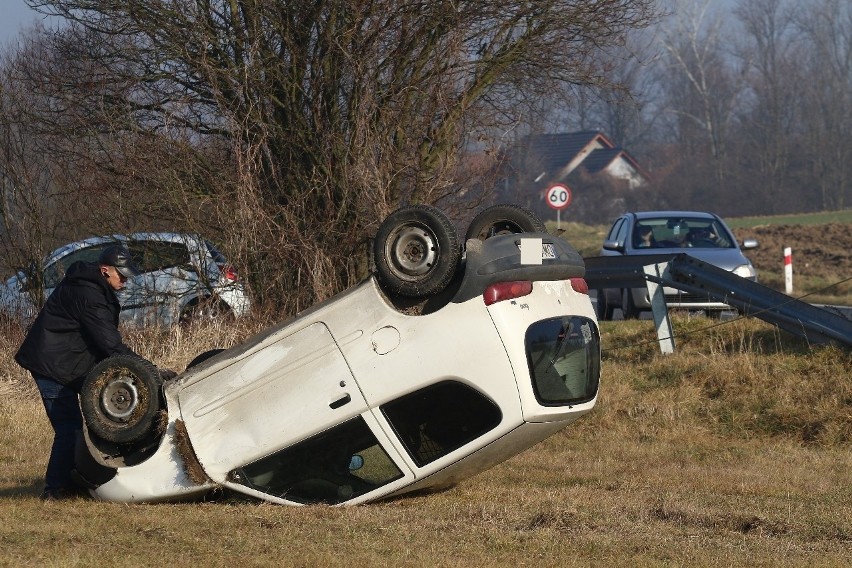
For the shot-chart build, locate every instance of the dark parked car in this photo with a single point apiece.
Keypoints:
(704, 236)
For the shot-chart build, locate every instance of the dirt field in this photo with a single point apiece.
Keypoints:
(819, 251)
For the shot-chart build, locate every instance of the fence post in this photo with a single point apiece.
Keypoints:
(788, 270)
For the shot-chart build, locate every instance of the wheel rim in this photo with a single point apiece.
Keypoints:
(119, 399)
(413, 251)
(504, 228)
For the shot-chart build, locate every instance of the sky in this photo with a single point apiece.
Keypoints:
(14, 15)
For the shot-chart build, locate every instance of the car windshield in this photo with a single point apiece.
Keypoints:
(693, 232)
(55, 271)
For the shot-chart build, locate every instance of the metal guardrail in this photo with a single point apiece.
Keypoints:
(694, 276)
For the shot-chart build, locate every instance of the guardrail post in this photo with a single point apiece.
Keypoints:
(662, 323)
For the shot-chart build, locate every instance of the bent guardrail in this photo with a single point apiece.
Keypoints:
(694, 276)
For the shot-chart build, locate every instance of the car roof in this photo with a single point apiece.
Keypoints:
(656, 214)
(92, 241)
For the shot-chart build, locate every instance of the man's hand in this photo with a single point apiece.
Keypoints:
(167, 374)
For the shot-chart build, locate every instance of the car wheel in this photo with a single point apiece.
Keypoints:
(203, 357)
(717, 314)
(503, 220)
(416, 251)
(628, 307)
(205, 310)
(604, 308)
(120, 398)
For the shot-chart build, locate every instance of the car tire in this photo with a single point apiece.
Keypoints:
(203, 357)
(604, 308)
(205, 310)
(416, 251)
(120, 398)
(718, 314)
(503, 220)
(628, 306)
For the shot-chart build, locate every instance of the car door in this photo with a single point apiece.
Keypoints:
(168, 281)
(286, 421)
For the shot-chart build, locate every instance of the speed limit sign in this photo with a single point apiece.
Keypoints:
(558, 196)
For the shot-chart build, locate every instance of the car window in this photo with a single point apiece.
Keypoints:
(614, 230)
(55, 271)
(621, 236)
(695, 232)
(563, 358)
(152, 255)
(217, 256)
(434, 421)
(332, 467)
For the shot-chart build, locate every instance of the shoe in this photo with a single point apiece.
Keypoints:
(63, 494)
(56, 495)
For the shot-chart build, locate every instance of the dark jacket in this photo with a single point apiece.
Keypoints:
(76, 328)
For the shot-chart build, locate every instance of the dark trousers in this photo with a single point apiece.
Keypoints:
(63, 410)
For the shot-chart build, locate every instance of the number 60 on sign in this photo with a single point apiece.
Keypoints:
(558, 196)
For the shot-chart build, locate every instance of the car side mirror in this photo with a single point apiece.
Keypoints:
(613, 245)
(750, 243)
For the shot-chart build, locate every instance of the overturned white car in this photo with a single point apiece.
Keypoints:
(439, 366)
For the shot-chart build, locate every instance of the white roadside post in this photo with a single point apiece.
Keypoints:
(788, 270)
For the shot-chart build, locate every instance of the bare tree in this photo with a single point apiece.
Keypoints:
(629, 108)
(769, 115)
(703, 88)
(333, 112)
(41, 185)
(827, 91)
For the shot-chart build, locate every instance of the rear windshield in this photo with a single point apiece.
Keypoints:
(217, 256)
(564, 360)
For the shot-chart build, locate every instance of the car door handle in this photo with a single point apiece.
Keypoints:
(345, 399)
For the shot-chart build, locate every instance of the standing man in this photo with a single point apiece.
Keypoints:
(76, 328)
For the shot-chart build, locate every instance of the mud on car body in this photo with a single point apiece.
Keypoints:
(440, 365)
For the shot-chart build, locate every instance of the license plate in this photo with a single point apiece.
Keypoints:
(548, 251)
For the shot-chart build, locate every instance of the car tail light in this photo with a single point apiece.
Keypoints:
(580, 285)
(506, 291)
(228, 272)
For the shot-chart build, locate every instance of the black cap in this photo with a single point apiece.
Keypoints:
(119, 257)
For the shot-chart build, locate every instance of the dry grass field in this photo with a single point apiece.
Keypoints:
(734, 451)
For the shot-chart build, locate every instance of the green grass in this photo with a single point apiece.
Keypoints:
(587, 239)
(843, 217)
